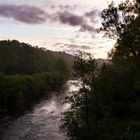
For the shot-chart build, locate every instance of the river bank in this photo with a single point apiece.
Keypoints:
(42, 123)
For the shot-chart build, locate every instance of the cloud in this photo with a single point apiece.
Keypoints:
(72, 19)
(23, 13)
(72, 47)
(92, 13)
(86, 27)
(58, 44)
(64, 7)
(77, 47)
(35, 15)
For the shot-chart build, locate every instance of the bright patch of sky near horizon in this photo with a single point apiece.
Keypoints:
(58, 25)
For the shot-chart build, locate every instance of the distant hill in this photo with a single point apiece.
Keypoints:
(17, 57)
(28, 73)
(67, 58)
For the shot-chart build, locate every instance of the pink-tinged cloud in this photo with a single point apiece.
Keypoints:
(72, 19)
(92, 13)
(23, 13)
(34, 15)
(71, 48)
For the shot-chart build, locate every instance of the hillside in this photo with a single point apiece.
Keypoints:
(67, 58)
(16, 57)
(27, 74)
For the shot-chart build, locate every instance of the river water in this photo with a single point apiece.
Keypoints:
(43, 122)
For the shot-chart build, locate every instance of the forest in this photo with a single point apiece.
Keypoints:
(28, 73)
(107, 105)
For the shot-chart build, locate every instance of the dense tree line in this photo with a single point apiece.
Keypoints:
(16, 57)
(107, 105)
(18, 92)
(26, 74)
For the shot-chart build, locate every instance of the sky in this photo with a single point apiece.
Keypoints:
(58, 25)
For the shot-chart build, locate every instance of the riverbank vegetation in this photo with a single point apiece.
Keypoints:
(28, 73)
(107, 105)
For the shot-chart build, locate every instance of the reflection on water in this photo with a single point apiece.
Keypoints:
(43, 122)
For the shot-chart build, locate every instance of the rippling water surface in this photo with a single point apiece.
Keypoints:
(43, 122)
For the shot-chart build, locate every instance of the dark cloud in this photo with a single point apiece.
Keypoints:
(23, 13)
(58, 44)
(73, 46)
(70, 18)
(74, 50)
(76, 47)
(87, 27)
(68, 7)
(92, 13)
(64, 7)
(34, 15)
(66, 17)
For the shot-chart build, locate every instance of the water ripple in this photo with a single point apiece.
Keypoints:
(42, 123)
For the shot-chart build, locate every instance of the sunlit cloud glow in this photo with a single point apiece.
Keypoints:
(59, 25)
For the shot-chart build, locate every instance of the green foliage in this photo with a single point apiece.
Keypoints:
(21, 58)
(61, 66)
(107, 106)
(76, 121)
(28, 73)
(117, 18)
(19, 91)
(123, 21)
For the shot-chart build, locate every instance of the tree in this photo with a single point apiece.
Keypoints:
(120, 81)
(61, 67)
(123, 21)
(107, 104)
(77, 118)
(117, 18)
(27, 73)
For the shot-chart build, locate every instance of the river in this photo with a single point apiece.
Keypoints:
(42, 123)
